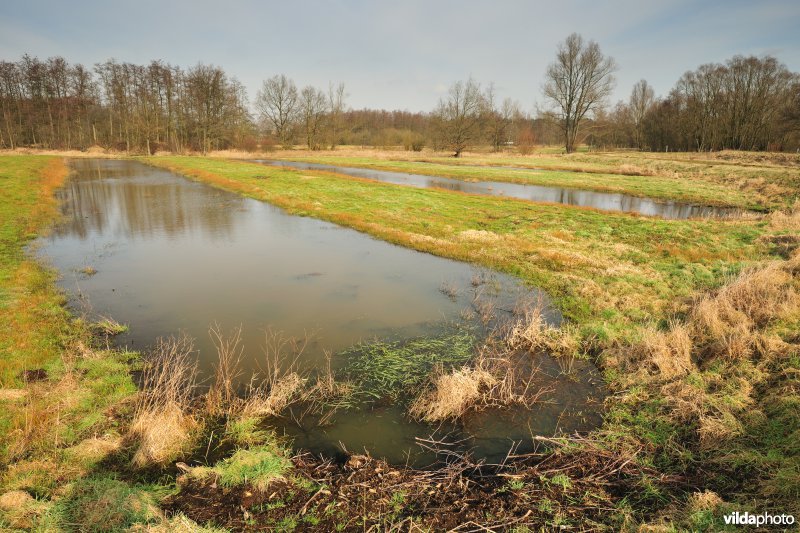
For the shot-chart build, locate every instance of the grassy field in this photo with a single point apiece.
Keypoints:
(693, 323)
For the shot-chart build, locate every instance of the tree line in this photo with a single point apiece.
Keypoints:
(747, 103)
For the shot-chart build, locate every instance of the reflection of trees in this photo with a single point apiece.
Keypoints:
(107, 197)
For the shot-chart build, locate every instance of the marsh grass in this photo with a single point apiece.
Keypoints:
(162, 423)
(450, 290)
(88, 271)
(222, 394)
(451, 394)
(389, 370)
(109, 327)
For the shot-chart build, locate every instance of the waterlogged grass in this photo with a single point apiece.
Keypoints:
(606, 271)
(743, 179)
(685, 189)
(677, 449)
(391, 370)
(726, 427)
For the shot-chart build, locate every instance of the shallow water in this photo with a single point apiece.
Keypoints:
(537, 193)
(177, 255)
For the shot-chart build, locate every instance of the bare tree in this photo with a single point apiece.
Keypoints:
(458, 116)
(313, 106)
(277, 102)
(336, 96)
(642, 99)
(578, 82)
(498, 118)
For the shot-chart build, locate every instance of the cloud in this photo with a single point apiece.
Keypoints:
(404, 54)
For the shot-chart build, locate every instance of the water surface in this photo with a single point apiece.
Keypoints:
(538, 193)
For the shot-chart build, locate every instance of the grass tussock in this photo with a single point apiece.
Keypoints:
(531, 331)
(162, 424)
(669, 353)
(727, 323)
(106, 504)
(714, 373)
(109, 327)
(271, 401)
(258, 466)
(222, 395)
(280, 380)
(786, 220)
(452, 394)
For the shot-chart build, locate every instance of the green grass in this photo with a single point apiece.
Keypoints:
(611, 275)
(103, 503)
(257, 466)
(58, 430)
(31, 315)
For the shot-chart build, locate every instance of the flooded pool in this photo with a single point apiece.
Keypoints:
(536, 193)
(173, 255)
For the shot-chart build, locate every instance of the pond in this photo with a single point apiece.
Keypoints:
(537, 193)
(174, 255)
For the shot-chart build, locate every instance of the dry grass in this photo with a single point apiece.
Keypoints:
(14, 499)
(272, 400)
(222, 395)
(668, 353)
(788, 220)
(161, 422)
(16, 509)
(10, 395)
(531, 332)
(280, 382)
(94, 449)
(452, 394)
(704, 501)
(726, 323)
(162, 434)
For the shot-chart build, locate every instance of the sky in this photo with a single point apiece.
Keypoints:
(404, 54)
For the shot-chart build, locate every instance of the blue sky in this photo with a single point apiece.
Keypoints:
(404, 54)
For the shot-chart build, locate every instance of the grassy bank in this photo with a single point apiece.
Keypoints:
(64, 399)
(760, 185)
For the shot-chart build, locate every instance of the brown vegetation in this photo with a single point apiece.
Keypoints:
(452, 394)
(161, 423)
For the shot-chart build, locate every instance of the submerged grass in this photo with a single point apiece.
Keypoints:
(390, 370)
